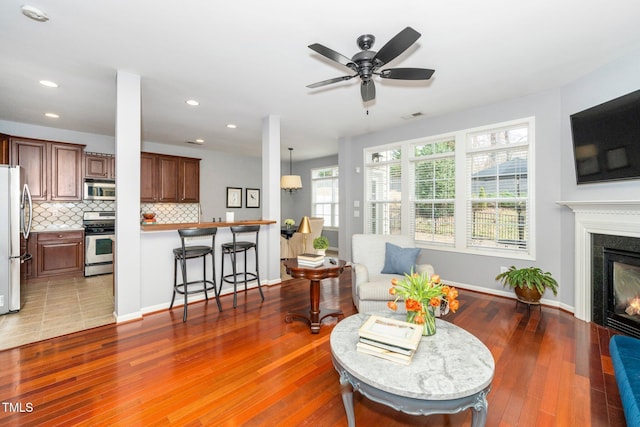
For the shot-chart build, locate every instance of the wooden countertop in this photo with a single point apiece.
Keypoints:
(176, 226)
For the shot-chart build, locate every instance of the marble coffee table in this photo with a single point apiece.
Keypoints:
(451, 371)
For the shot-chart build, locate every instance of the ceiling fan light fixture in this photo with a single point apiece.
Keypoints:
(367, 62)
(290, 182)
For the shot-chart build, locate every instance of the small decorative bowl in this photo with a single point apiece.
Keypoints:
(148, 215)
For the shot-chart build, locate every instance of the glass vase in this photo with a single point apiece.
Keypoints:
(429, 324)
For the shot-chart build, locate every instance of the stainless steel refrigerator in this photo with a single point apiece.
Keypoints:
(15, 222)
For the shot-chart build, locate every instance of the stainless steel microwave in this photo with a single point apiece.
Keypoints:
(96, 189)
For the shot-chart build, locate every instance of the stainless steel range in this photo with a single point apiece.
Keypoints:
(99, 232)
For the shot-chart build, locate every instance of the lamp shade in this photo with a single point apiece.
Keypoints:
(305, 225)
(290, 182)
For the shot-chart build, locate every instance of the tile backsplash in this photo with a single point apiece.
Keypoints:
(170, 213)
(48, 215)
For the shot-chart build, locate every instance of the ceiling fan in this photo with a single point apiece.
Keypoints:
(366, 63)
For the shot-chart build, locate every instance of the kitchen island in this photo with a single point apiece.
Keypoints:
(157, 242)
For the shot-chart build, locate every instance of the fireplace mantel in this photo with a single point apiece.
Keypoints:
(612, 217)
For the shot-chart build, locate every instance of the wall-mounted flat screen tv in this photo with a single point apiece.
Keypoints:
(606, 140)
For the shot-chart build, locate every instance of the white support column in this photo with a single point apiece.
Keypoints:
(271, 195)
(127, 254)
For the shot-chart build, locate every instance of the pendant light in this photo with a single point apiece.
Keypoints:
(290, 182)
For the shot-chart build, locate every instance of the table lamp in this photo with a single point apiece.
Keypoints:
(304, 228)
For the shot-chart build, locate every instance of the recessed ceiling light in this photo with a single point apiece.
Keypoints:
(34, 13)
(199, 140)
(52, 115)
(192, 102)
(48, 83)
(231, 126)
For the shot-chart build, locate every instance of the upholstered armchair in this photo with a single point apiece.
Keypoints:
(371, 256)
(295, 245)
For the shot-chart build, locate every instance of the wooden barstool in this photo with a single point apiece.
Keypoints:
(185, 252)
(232, 249)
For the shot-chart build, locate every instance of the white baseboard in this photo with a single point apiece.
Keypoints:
(508, 294)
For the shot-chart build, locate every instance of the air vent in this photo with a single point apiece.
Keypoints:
(413, 116)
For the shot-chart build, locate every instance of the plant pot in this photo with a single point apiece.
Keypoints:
(322, 252)
(529, 296)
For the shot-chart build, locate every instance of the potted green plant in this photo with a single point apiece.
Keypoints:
(529, 283)
(320, 244)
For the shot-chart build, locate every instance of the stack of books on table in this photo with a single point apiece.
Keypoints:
(310, 260)
(389, 339)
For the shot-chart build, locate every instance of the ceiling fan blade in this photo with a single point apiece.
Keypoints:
(407, 73)
(329, 81)
(332, 55)
(397, 45)
(368, 91)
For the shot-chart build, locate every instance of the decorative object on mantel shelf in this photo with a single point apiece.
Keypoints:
(290, 182)
(425, 297)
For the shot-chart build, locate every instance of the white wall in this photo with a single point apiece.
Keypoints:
(95, 143)
(555, 179)
(218, 171)
(298, 204)
(478, 271)
(610, 81)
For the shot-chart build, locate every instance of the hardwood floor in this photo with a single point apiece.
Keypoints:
(248, 367)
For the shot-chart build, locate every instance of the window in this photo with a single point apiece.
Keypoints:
(324, 195)
(467, 191)
(434, 192)
(497, 205)
(383, 191)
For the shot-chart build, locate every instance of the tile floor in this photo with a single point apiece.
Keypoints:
(59, 307)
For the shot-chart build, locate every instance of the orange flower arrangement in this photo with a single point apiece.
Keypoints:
(423, 296)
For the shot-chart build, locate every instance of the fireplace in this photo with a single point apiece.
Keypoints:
(598, 225)
(622, 291)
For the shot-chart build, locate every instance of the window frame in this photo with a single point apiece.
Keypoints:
(335, 204)
(462, 189)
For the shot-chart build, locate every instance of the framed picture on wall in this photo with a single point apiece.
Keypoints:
(252, 197)
(234, 197)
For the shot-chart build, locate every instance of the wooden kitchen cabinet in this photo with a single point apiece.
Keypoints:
(66, 172)
(189, 180)
(4, 149)
(99, 166)
(59, 254)
(32, 156)
(53, 169)
(148, 177)
(169, 179)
